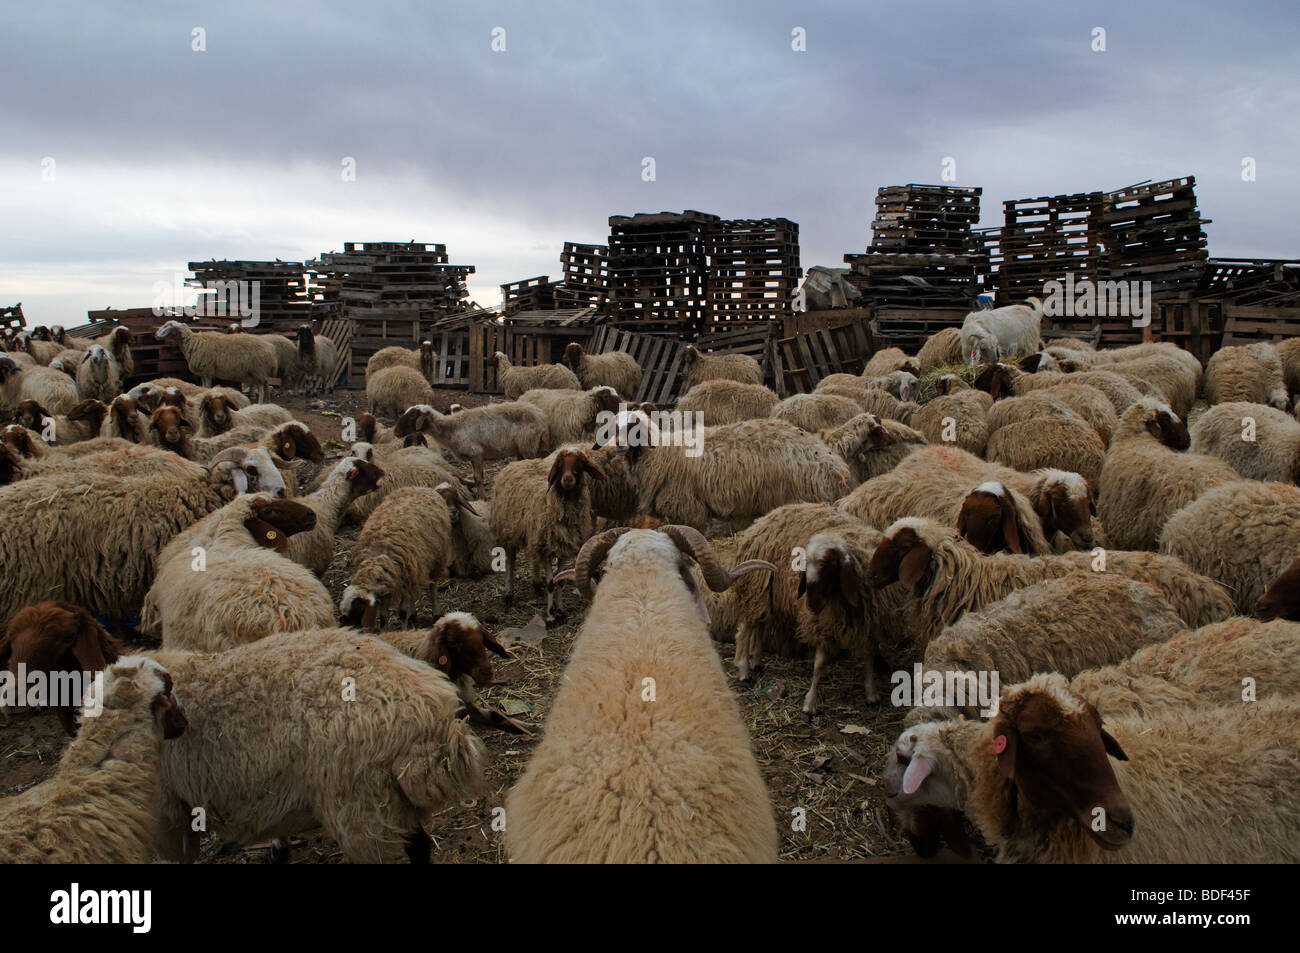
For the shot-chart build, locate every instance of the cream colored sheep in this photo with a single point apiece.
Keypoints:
(1061, 401)
(871, 446)
(389, 392)
(1259, 442)
(941, 349)
(317, 357)
(1146, 479)
(1063, 444)
(423, 360)
(516, 380)
(616, 369)
(1250, 374)
(349, 480)
(814, 412)
(51, 388)
(247, 358)
(700, 367)
(728, 402)
(403, 467)
(612, 780)
(98, 374)
(571, 415)
(959, 419)
(490, 432)
(891, 359)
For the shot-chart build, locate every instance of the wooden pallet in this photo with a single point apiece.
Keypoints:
(1246, 324)
(660, 359)
(525, 345)
(811, 355)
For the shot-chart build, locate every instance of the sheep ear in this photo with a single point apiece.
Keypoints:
(1112, 746)
(918, 769)
(1004, 748)
(230, 403)
(1011, 525)
(913, 566)
(555, 471)
(803, 585)
(850, 583)
(492, 645)
(240, 479)
(594, 470)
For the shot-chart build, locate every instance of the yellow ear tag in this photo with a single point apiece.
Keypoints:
(270, 534)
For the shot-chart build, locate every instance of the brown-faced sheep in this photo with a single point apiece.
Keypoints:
(82, 421)
(616, 369)
(349, 480)
(1282, 598)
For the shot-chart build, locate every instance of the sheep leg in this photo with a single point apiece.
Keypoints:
(810, 700)
(554, 611)
(418, 846)
(433, 598)
(748, 654)
(207, 381)
(279, 851)
(479, 478)
(509, 595)
(869, 682)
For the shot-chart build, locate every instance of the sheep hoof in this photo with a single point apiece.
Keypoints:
(808, 717)
(418, 846)
(279, 852)
(555, 618)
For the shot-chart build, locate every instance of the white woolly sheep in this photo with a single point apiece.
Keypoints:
(616, 369)
(49, 387)
(392, 390)
(247, 358)
(490, 432)
(98, 374)
(403, 467)
(988, 336)
(728, 402)
(1250, 374)
(516, 380)
(941, 349)
(959, 419)
(1259, 442)
(423, 360)
(700, 367)
(571, 415)
(596, 788)
(814, 412)
(347, 481)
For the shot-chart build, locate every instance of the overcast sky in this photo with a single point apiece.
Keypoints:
(162, 154)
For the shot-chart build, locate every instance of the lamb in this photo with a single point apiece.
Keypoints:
(615, 369)
(548, 522)
(317, 358)
(700, 367)
(1068, 624)
(941, 349)
(742, 471)
(98, 808)
(1206, 785)
(988, 336)
(1259, 442)
(728, 402)
(92, 538)
(814, 412)
(82, 422)
(888, 360)
(1060, 443)
(277, 745)
(125, 421)
(248, 588)
(515, 380)
(932, 481)
(947, 576)
(423, 360)
(350, 479)
(960, 418)
(49, 387)
(1251, 374)
(404, 548)
(98, 374)
(572, 415)
(491, 432)
(1062, 401)
(247, 358)
(1241, 533)
(596, 787)
(57, 637)
(1145, 479)
(1197, 669)
(392, 390)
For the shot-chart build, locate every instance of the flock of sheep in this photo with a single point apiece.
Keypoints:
(997, 504)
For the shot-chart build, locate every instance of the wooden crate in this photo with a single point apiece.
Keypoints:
(526, 346)
(809, 356)
(909, 327)
(1246, 324)
(660, 359)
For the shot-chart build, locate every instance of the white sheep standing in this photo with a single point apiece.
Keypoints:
(990, 336)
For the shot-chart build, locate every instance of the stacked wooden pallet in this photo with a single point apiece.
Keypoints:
(924, 218)
(1153, 232)
(659, 271)
(528, 338)
(753, 274)
(283, 299)
(390, 293)
(1045, 239)
(586, 276)
(529, 294)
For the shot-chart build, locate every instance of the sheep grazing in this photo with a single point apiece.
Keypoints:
(1251, 374)
(392, 390)
(490, 432)
(941, 349)
(1062, 444)
(543, 508)
(98, 374)
(1243, 533)
(899, 384)
(1061, 402)
(740, 472)
(211, 356)
(599, 787)
(49, 387)
(1201, 786)
(888, 360)
(277, 745)
(1076, 622)
(403, 549)
(92, 538)
(959, 419)
(99, 807)
(728, 402)
(571, 415)
(1282, 598)
(82, 421)
(1146, 479)
(247, 589)
(615, 369)
(814, 412)
(317, 358)
(943, 576)
(57, 637)
(350, 479)
(1259, 442)
(424, 360)
(516, 380)
(700, 367)
(472, 542)
(988, 336)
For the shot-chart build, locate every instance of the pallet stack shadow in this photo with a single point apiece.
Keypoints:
(387, 293)
(921, 272)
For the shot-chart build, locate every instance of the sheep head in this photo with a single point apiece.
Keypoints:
(989, 521)
(40, 333)
(172, 397)
(1063, 501)
(1282, 600)
(272, 521)
(119, 342)
(921, 791)
(146, 396)
(456, 501)
(169, 328)
(690, 357)
(902, 556)
(135, 680)
(982, 346)
(573, 355)
(98, 358)
(31, 414)
(171, 426)
(460, 647)
(216, 409)
(1050, 744)
(359, 609)
(416, 419)
(565, 477)
(92, 411)
(948, 383)
(306, 340)
(363, 476)
(366, 427)
(295, 441)
(249, 469)
(8, 368)
(1040, 361)
(996, 380)
(20, 440)
(1164, 425)
(123, 411)
(604, 400)
(829, 569)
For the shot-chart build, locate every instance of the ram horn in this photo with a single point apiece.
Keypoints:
(591, 556)
(692, 542)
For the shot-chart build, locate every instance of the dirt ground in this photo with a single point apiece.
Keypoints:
(830, 768)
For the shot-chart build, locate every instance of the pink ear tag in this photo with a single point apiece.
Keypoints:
(999, 744)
